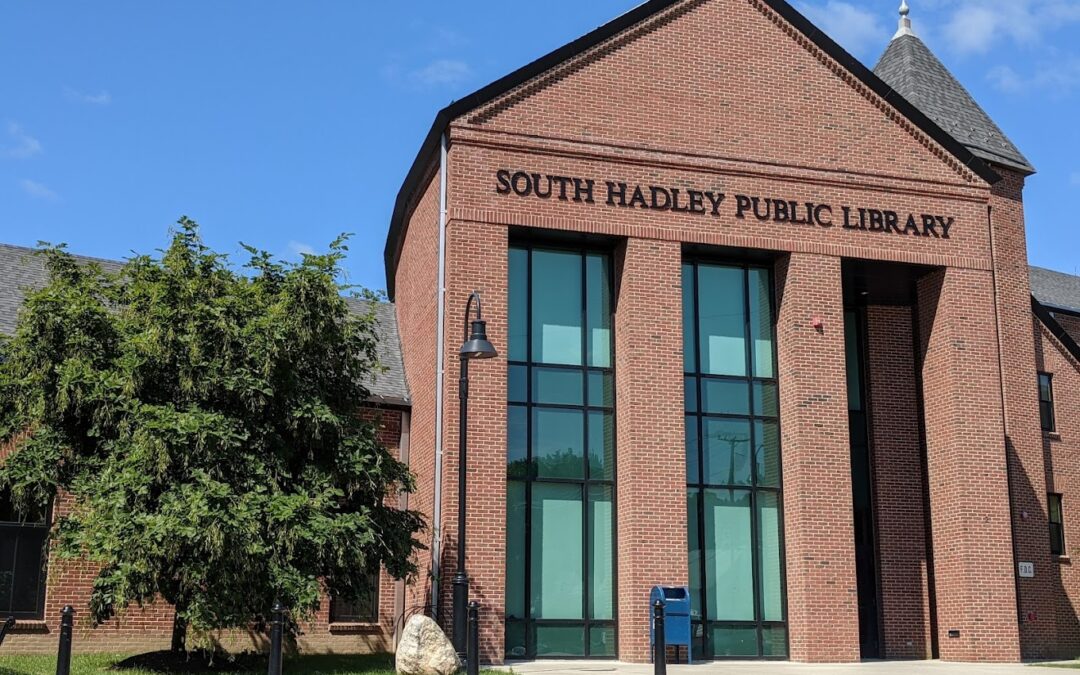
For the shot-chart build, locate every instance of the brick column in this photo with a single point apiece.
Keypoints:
(966, 468)
(904, 570)
(823, 613)
(477, 260)
(651, 461)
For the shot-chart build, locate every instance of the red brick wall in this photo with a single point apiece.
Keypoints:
(968, 482)
(823, 615)
(903, 566)
(1062, 452)
(150, 628)
(651, 455)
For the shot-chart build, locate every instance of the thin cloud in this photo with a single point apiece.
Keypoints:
(300, 249)
(977, 26)
(22, 145)
(37, 190)
(1057, 79)
(442, 73)
(857, 30)
(101, 98)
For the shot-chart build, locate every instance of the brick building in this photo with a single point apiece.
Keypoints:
(767, 329)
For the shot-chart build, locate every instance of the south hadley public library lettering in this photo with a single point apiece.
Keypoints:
(710, 202)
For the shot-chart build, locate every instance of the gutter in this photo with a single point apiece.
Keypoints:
(440, 370)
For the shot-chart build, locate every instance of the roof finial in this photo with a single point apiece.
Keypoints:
(905, 21)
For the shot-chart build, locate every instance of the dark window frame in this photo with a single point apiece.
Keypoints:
(704, 624)
(19, 531)
(587, 481)
(347, 611)
(1047, 414)
(1057, 529)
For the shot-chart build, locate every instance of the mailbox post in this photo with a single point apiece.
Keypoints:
(677, 629)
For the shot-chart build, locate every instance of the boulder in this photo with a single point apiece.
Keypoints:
(425, 650)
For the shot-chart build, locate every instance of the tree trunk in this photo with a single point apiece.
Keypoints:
(179, 634)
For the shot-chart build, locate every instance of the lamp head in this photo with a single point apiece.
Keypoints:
(478, 346)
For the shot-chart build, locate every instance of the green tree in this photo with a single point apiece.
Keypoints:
(202, 424)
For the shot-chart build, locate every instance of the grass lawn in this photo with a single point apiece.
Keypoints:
(94, 664)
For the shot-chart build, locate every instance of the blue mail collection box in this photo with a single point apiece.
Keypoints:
(676, 601)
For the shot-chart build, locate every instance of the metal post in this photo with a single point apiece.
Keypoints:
(472, 662)
(63, 655)
(277, 620)
(461, 579)
(660, 646)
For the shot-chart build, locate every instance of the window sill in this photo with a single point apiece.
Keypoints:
(1064, 560)
(1052, 435)
(344, 627)
(30, 626)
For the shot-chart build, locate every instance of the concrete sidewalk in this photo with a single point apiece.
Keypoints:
(780, 668)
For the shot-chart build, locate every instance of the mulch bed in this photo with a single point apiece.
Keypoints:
(194, 662)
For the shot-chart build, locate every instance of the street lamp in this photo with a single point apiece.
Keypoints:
(476, 347)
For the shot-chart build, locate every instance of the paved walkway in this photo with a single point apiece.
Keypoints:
(759, 668)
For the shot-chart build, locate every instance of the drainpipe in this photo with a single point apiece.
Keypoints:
(440, 368)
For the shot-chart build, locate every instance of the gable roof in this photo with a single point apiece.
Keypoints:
(20, 271)
(1056, 290)
(910, 68)
(423, 164)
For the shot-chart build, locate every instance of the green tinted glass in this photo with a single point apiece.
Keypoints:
(557, 558)
(772, 590)
(556, 308)
(560, 641)
(602, 641)
(558, 443)
(725, 397)
(515, 550)
(689, 325)
(601, 553)
(518, 320)
(517, 436)
(601, 446)
(560, 386)
(761, 322)
(727, 451)
(729, 573)
(732, 642)
(598, 310)
(722, 320)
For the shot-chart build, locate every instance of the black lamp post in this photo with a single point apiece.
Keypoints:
(476, 347)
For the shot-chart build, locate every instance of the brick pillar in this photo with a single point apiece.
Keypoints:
(903, 568)
(823, 613)
(651, 462)
(966, 468)
(1023, 430)
(477, 260)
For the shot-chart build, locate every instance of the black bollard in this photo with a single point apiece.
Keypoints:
(660, 641)
(472, 658)
(277, 627)
(63, 655)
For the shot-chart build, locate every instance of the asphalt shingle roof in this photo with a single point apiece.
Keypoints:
(1056, 290)
(909, 67)
(20, 270)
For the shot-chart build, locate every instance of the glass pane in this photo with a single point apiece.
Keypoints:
(518, 335)
(854, 372)
(766, 402)
(722, 320)
(727, 451)
(601, 446)
(556, 307)
(517, 384)
(1044, 388)
(728, 397)
(515, 640)
(1055, 508)
(598, 299)
(728, 557)
(689, 327)
(601, 389)
(767, 453)
(761, 322)
(517, 436)
(560, 641)
(8, 538)
(774, 641)
(556, 552)
(601, 553)
(515, 551)
(693, 499)
(558, 385)
(602, 641)
(693, 469)
(558, 443)
(734, 641)
(690, 393)
(772, 591)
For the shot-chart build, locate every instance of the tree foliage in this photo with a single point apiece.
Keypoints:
(201, 424)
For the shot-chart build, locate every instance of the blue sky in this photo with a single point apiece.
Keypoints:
(282, 124)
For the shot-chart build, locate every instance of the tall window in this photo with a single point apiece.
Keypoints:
(1057, 525)
(1046, 401)
(364, 608)
(560, 567)
(22, 561)
(733, 462)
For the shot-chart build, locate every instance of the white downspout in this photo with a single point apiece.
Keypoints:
(436, 543)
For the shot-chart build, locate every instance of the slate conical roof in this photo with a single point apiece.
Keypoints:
(909, 67)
